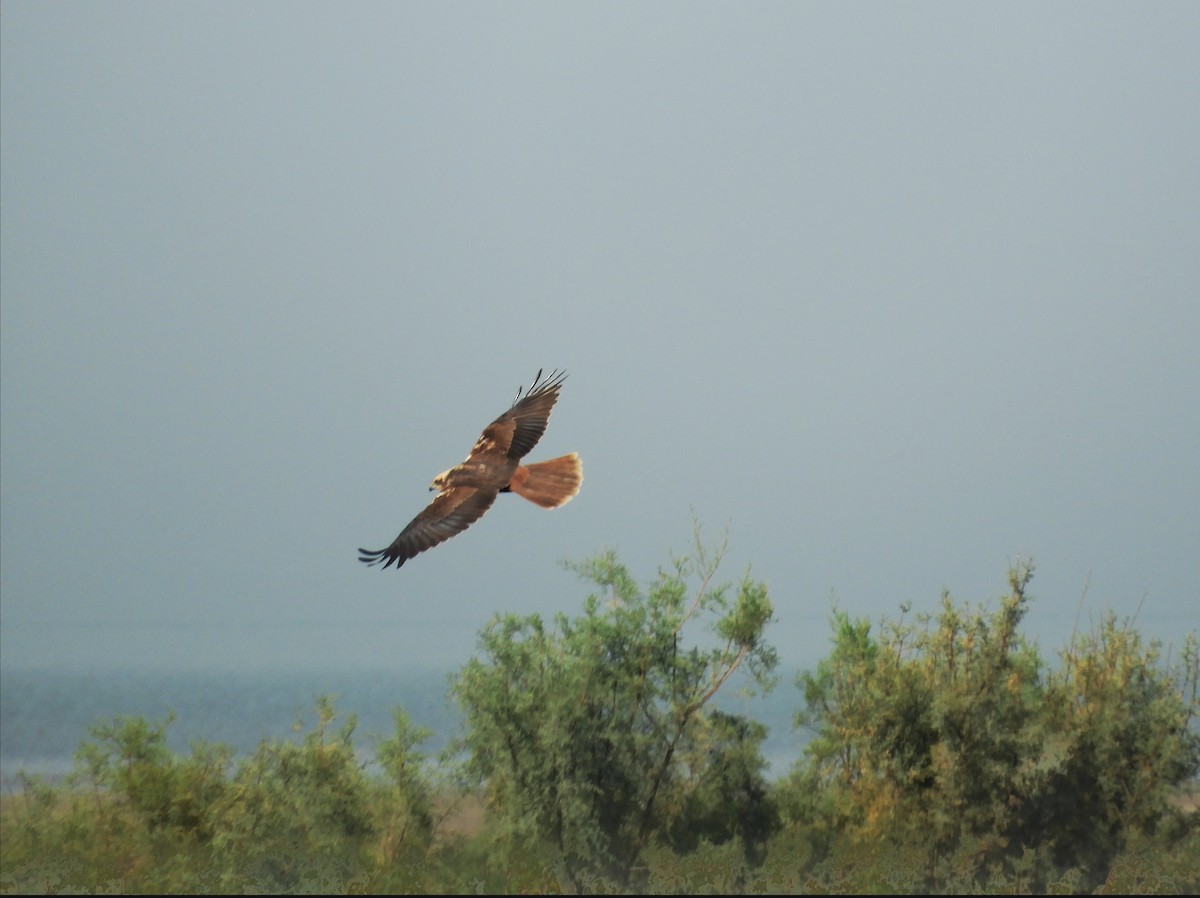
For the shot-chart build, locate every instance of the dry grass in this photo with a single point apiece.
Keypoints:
(459, 815)
(1187, 799)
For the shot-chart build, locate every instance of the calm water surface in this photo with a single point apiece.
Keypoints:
(45, 714)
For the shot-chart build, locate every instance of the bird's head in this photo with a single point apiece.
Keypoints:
(440, 482)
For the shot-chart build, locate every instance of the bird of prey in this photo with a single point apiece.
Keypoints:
(493, 466)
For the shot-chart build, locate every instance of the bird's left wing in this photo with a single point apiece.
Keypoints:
(517, 430)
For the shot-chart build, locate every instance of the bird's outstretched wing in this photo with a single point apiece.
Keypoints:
(517, 430)
(450, 513)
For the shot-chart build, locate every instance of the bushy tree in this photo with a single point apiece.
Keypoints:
(290, 817)
(129, 755)
(404, 809)
(950, 736)
(150, 811)
(1121, 739)
(296, 816)
(727, 796)
(585, 732)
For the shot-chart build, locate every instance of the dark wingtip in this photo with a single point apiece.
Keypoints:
(371, 557)
(552, 382)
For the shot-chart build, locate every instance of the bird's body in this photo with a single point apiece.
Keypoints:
(493, 466)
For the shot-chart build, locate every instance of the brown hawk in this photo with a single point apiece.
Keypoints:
(494, 466)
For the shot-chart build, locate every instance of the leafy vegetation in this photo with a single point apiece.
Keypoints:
(593, 736)
(950, 738)
(947, 756)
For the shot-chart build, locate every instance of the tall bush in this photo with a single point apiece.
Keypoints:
(951, 736)
(585, 731)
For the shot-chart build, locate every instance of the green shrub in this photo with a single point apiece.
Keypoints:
(296, 817)
(950, 738)
(947, 756)
(593, 736)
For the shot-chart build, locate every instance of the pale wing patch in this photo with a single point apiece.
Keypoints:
(494, 441)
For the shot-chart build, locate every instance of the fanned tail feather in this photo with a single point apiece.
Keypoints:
(549, 483)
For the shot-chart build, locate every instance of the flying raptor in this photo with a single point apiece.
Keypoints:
(493, 466)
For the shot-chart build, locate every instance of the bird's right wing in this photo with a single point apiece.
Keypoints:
(449, 514)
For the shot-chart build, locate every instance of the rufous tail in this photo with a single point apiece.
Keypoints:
(549, 483)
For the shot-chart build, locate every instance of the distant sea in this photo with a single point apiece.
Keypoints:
(46, 714)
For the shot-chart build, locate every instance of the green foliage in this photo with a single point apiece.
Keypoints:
(729, 799)
(947, 756)
(592, 735)
(405, 814)
(130, 757)
(61, 840)
(1121, 742)
(950, 737)
(296, 816)
(292, 817)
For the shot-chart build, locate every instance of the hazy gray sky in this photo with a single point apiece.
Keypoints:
(898, 292)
